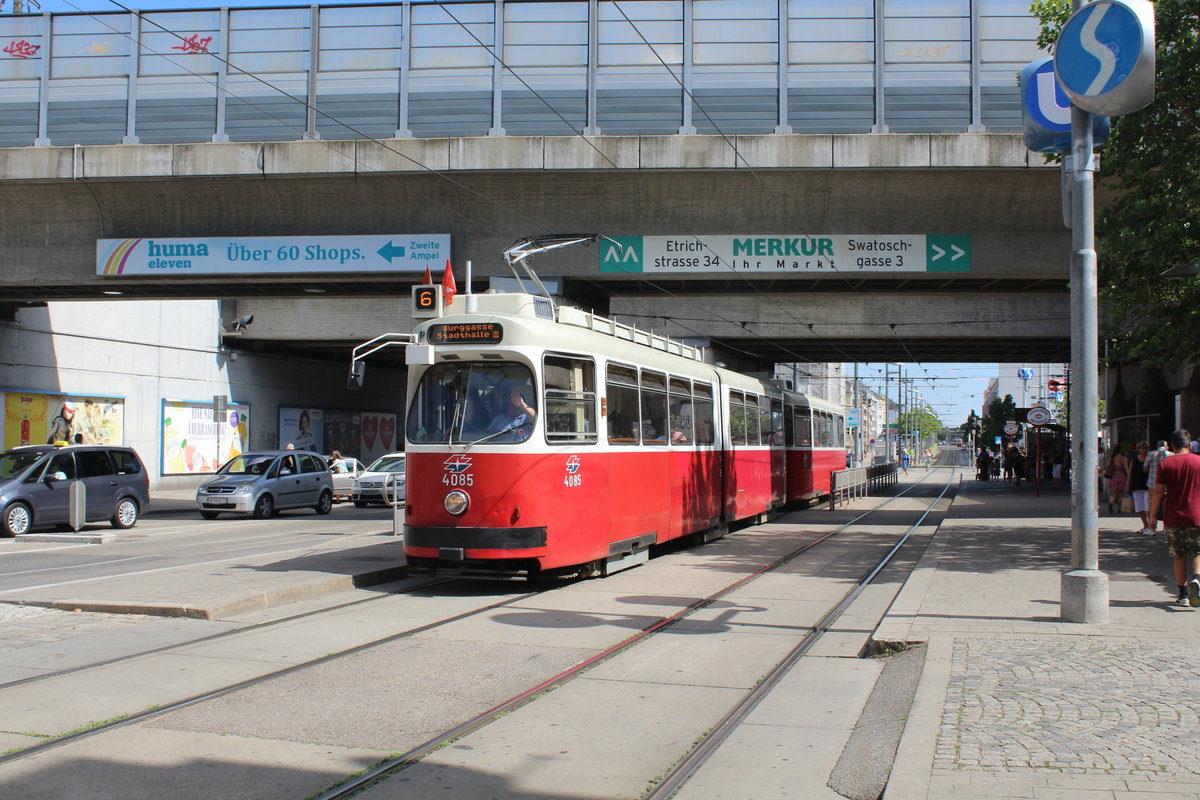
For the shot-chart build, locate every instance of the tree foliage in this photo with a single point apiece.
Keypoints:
(1150, 222)
(999, 412)
(972, 428)
(920, 421)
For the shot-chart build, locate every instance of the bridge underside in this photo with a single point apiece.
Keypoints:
(1011, 304)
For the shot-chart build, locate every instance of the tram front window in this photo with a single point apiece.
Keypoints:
(473, 402)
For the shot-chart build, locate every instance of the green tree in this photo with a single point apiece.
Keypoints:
(1150, 177)
(999, 412)
(972, 428)
(920, 421)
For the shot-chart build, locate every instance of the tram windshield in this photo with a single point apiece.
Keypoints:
(470, 402)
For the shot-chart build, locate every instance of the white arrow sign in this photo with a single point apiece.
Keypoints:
(938, 252)
(958, 252)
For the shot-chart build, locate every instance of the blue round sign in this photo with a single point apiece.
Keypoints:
(1024, 373)
(1104, 58)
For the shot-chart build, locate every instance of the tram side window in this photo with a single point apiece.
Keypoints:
(789, 425)
(681, 412)
(804, 426)
(776, 419)
(702, 413)
(839, 431)
(570, 399)
(822, 429)
(753, 422)
(621, 396)
(737, 418)
(654, 408)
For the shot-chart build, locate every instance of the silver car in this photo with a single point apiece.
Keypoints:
(265, 482)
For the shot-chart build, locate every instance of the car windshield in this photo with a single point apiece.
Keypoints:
(473, 402)
(248, 464)
(388, 464)
(12, 463)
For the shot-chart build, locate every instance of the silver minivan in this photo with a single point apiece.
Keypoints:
(35, 483)
(264, 482)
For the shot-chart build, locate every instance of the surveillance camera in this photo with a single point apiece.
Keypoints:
(241, 324)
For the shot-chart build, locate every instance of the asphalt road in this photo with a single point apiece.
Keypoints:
(172, 534)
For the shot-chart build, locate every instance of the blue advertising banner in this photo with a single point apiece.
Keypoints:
(258, 255)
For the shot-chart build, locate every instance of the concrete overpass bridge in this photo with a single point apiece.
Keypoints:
(486, 192)
(769, 126)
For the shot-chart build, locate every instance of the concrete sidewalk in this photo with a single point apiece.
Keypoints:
(1013, 702)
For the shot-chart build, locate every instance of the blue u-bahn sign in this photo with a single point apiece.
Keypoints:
(1046, 110)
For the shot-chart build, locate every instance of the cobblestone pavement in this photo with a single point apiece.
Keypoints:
(1075, 706)
(24, 626)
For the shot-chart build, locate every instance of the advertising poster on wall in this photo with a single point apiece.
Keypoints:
(363, 435)
(193, 444)
(302, 428)
(35, 418)
(378, 436)
(343, 432)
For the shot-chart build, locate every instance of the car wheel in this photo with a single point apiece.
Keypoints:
(265, 507)
(325, 503)
(126, 513)
(17, 519)
(360, 504)
(209, 514)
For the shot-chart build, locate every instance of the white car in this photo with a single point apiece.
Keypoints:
(345, 472)
(369, 486)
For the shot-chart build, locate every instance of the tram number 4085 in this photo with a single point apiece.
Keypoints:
(572, 480)
(458, 479)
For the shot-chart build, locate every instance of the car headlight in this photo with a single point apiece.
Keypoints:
(243, 489)
(457, 502)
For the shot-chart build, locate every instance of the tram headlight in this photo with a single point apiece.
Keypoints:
(457, 502)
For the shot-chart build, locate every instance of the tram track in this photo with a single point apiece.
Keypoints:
(210, 638)
(710, 741)
(497, 711)
(160, 710)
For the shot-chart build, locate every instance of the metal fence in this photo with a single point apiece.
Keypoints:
(849, 484)
(527, 67)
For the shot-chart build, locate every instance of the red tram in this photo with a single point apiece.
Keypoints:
(546, 440)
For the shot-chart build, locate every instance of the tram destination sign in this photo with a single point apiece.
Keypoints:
(273, 255)
(796, 253)
(466, 333)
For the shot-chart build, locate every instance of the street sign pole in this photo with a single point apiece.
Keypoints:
(1084, 589)
(1104, 61)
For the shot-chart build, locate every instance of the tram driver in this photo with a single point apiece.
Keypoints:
(517, 419)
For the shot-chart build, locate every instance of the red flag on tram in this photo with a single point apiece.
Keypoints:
(428, 278)
(448, 287)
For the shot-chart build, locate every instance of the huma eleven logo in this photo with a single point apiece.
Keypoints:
(621, 254)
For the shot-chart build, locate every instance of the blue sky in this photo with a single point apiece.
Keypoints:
(954, 390)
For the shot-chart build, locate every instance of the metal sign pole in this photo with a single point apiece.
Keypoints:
(1085, 588)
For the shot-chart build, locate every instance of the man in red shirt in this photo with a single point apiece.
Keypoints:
(1177, 492)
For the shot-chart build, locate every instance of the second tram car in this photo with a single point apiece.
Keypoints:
(543, 439)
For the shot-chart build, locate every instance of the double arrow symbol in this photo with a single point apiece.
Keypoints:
(939, 252)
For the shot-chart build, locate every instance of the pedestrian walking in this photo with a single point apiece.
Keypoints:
(1155, 458)
(1138, 477)
(1177, 492)
(1117, 475)
(905, 460)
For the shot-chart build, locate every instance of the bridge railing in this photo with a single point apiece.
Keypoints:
(849, 484)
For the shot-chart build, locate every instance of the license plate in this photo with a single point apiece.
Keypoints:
(217, 501)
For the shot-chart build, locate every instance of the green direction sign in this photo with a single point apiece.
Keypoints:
(799, 253)
(945, 253)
